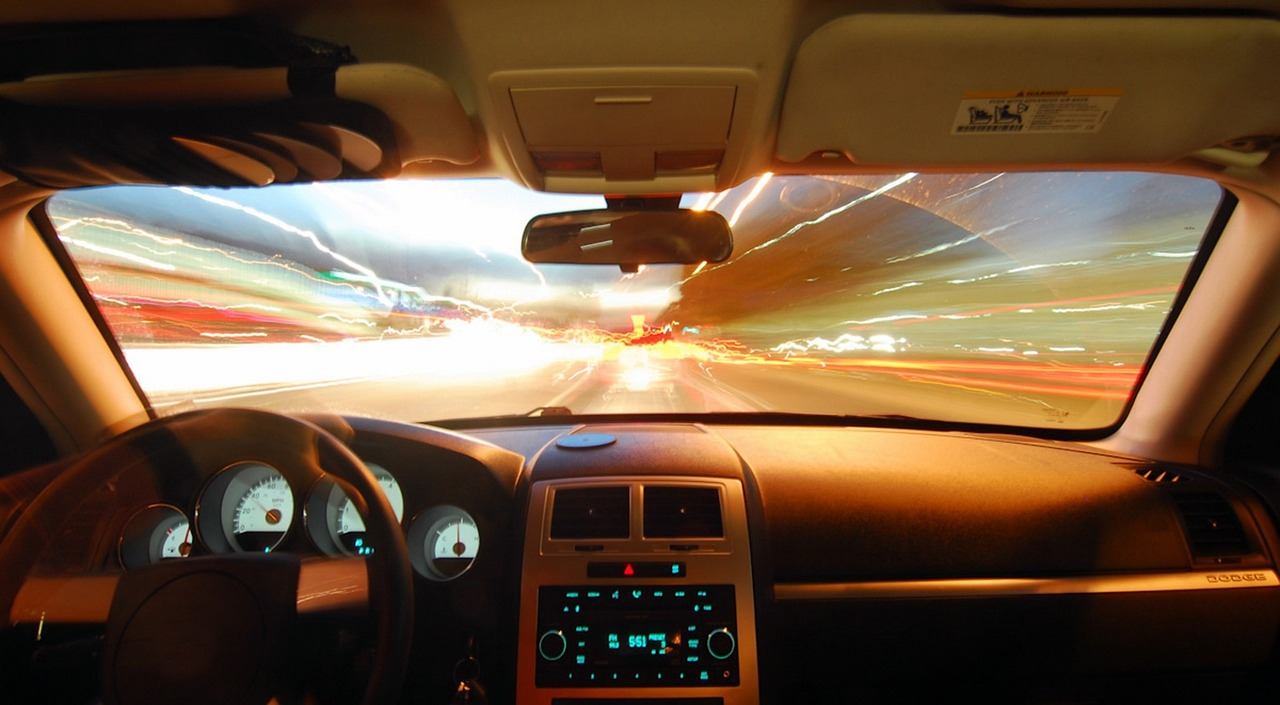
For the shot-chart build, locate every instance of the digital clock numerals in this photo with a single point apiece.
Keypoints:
(656, 643)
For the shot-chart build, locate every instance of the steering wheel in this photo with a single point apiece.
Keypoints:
(214, 629)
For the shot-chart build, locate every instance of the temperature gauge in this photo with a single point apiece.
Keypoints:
(444, 542)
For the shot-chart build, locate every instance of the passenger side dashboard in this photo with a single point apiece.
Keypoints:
(878, 564)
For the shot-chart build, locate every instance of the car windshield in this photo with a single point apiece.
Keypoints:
(1021, 299)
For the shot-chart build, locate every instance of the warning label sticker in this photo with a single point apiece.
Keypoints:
(1034, 111)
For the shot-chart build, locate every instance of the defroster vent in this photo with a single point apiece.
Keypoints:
(1213, 528)
(591, 513)
(682, 512)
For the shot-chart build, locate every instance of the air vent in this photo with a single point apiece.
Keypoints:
(682, 512)
(1158, 474)
(1213, 529)
(592, 513)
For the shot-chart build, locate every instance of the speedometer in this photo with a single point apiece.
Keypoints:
(263, 514)
(248, 507)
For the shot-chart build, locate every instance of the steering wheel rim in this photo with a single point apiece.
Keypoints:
(301, 450)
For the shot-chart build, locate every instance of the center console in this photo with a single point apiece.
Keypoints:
(637, 589)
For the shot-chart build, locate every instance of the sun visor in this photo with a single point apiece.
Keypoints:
(228, 127)
(937, 91)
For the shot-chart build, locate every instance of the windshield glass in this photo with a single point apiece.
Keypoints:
(1025, 299)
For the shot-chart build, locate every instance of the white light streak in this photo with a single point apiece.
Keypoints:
(755, 191)
(973, 188)
(900, 287)
(837, 211)
(1033, 267)
(256, 334)
(975, 279)
(951, 245)
(847, 342)
(111, 252)
(886, 319)
(1110, 307)
(291, 229)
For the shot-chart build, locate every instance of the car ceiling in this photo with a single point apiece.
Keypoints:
(814, 86)
(762, 86)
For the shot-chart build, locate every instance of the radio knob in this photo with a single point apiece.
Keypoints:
(721, 644)
(552, 645)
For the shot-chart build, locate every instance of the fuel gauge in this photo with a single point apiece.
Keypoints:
(159, 532)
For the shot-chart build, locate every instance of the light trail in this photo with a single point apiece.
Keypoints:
(112, 225)
(112, 252)
(761, 182)
(288, 228)
(900, 287)
(953, 244)
(825, 216)
(906, 319)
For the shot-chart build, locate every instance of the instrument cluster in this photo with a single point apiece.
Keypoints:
(251, 507)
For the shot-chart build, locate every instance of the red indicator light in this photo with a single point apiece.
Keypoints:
(628, 570)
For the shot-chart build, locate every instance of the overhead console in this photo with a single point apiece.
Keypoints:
(636, 586)
(624, 131)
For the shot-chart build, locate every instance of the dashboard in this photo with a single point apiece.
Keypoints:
(665, 563)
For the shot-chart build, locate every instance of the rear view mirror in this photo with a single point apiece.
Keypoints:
(628, 238)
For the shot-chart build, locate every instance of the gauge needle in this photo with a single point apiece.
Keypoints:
(273, 515)
(458, 546)
(184, 549)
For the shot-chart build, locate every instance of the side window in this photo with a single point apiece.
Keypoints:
(25, 441)
(1252, 440)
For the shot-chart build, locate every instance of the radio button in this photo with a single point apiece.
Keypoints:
(721, 644)
(552, 645)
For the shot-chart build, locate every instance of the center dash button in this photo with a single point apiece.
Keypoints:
(635, 569)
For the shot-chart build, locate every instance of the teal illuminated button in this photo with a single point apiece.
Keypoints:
(721, 644)
(552, 645)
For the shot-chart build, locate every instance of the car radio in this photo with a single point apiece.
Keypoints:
(637, 636)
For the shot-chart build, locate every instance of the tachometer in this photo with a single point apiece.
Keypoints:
(341, 529)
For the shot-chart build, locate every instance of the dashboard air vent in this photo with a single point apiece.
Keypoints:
(682, 512)
(1213, 529)
(592, 513)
